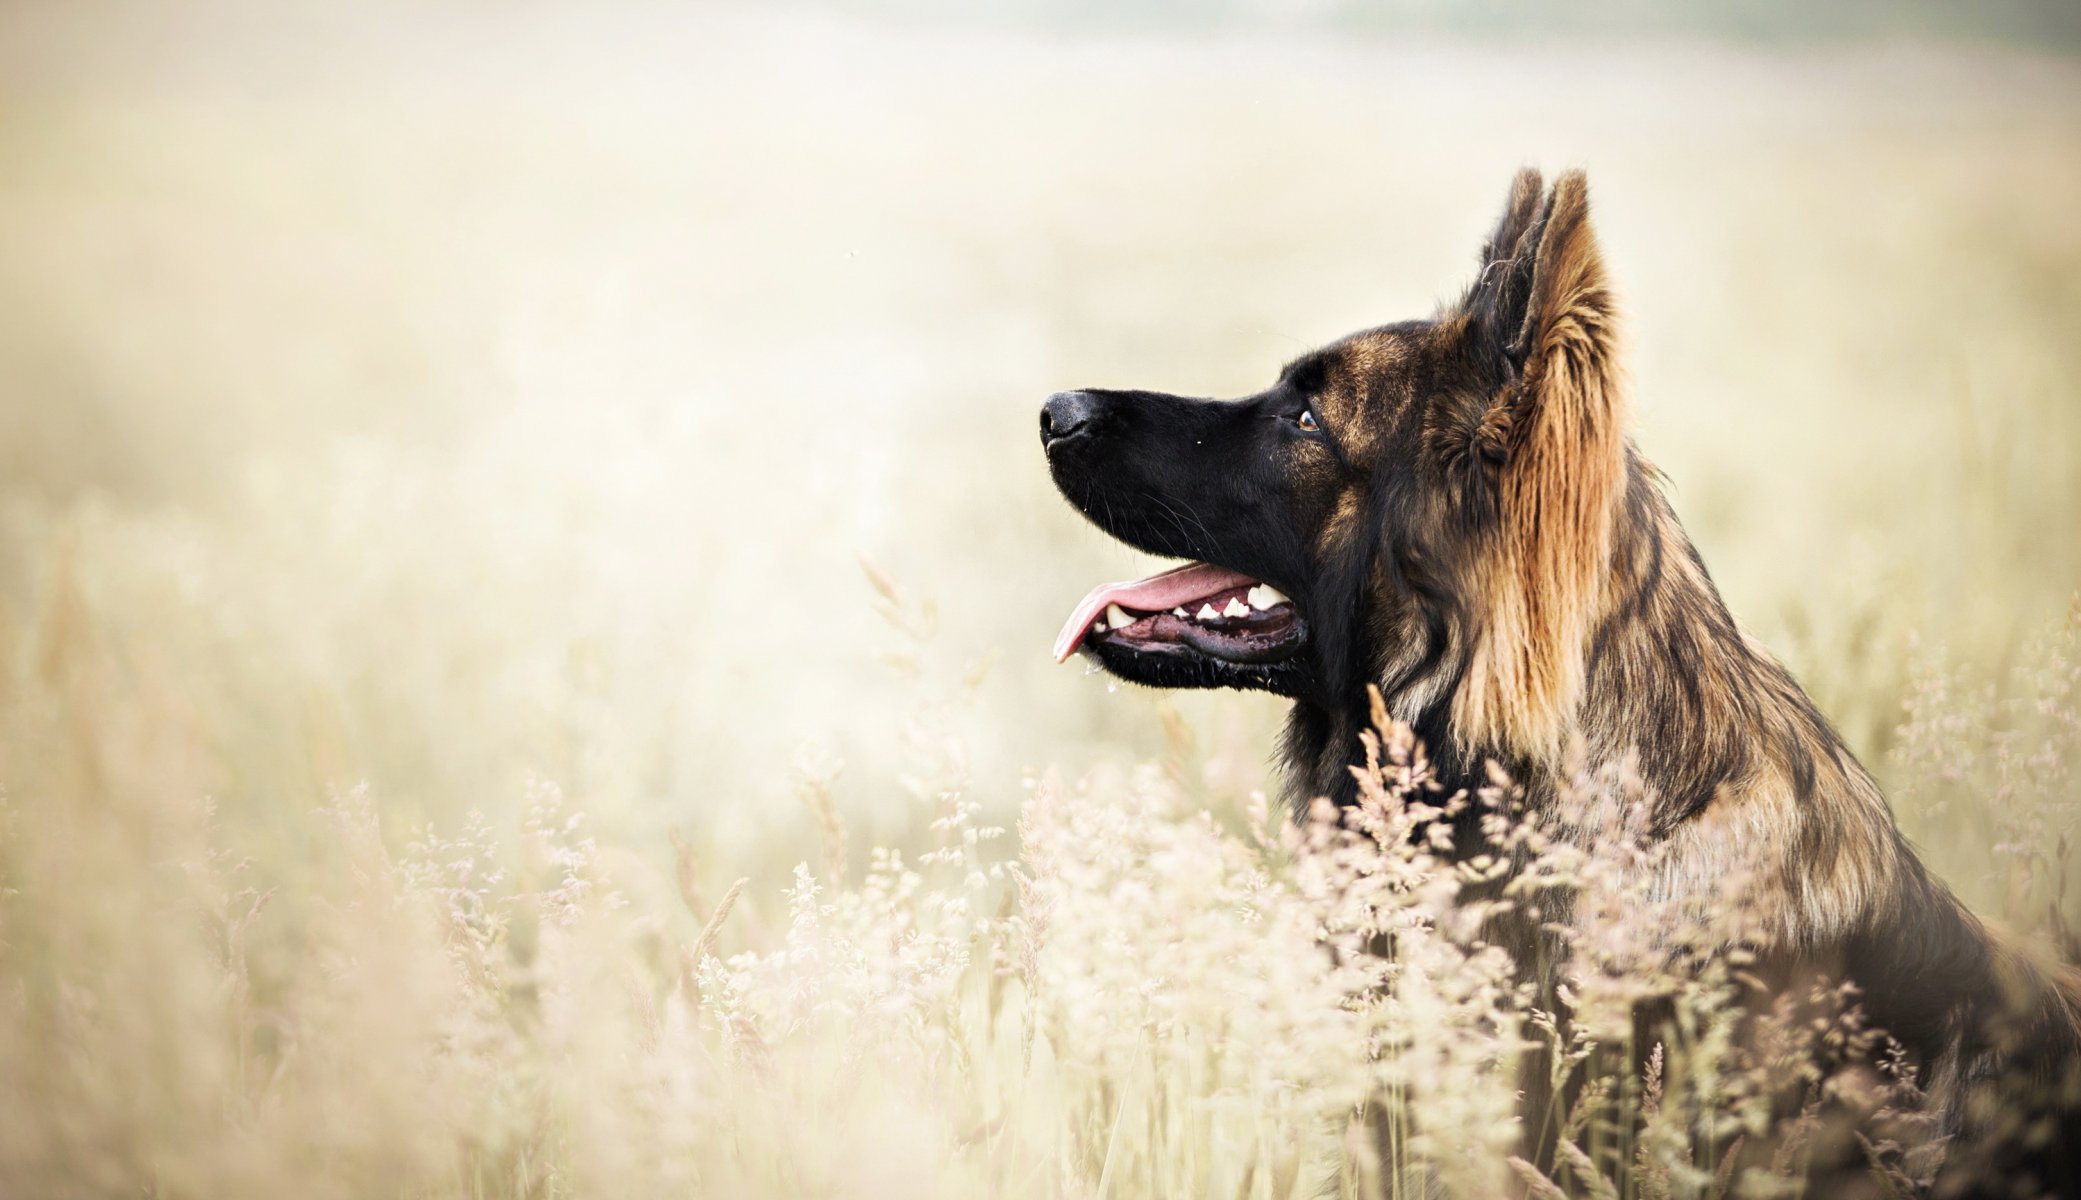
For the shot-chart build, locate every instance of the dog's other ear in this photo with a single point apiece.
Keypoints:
(1503, 282)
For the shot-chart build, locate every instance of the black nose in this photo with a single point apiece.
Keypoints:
(1065, 413)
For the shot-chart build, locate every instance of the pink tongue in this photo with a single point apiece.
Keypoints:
(1193, 581)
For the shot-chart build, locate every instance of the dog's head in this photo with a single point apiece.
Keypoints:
(1413, 505)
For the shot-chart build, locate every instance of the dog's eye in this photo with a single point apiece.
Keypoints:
(1307, 422)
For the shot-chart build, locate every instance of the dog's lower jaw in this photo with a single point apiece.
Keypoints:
(1182, 667)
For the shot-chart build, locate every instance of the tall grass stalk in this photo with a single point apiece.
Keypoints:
(1133, 998)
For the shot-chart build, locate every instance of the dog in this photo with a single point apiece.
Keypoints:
(1450, 511)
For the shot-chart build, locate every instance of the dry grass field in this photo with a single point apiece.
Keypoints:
(438, 449)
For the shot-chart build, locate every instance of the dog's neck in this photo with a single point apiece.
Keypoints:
(1668, 678)
(1671, 679)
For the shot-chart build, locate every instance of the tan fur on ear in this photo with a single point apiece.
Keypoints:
(1562, 421)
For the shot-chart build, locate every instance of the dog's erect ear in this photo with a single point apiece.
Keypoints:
(1542, 276)
(1553, 434)
(1569, 306)
(1541, 308)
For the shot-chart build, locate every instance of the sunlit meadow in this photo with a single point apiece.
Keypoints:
(526, 575)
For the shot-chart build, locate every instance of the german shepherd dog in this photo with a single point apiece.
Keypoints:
(1449, 510)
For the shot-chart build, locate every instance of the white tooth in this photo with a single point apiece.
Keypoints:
(1264, 596)
(1118, 616)
(1178, 612)
(1235, 608)
(1207, 613)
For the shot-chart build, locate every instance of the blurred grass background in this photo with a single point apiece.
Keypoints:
(436, 395)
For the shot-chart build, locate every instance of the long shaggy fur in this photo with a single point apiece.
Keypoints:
(1472, 533)
(1599, 626)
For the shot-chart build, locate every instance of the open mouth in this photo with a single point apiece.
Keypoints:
(1217, 612)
